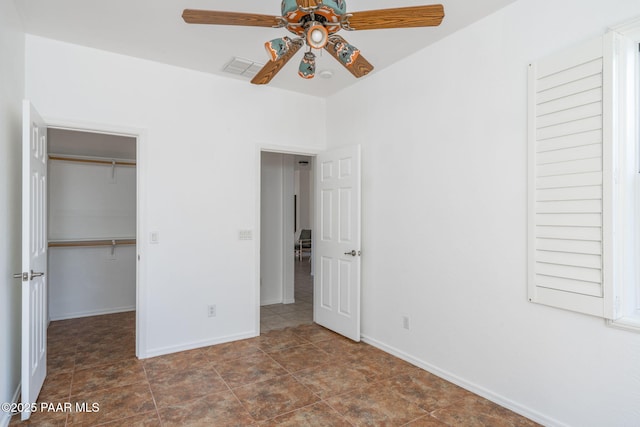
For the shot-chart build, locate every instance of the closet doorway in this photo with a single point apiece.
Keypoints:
(92, 224)
(286, 208)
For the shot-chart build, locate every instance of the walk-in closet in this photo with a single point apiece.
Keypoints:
(91, 224)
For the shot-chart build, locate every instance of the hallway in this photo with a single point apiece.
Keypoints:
(278, 316)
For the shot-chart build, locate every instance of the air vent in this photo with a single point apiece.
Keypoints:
(243, 67)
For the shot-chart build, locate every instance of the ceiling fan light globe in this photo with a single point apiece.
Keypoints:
(317, 36)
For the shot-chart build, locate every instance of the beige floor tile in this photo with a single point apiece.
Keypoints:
(274, 397)
(294, 374)
(114, 404)
(122, 373)
(220, 410)
(179, 385)
(317, 415)
(474, 411)
(301, 357)
(250, 370)
(375, 406)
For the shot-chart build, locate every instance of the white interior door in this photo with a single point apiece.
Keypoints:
(336, 300)
(34, 256)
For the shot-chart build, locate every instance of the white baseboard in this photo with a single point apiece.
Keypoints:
(79, 314)
(270, 302)
(198, 344)
(5, 418)
(467, 385)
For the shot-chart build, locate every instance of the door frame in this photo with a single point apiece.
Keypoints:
(140, 135)
(260, 148)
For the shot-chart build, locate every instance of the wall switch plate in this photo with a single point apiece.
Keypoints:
(211, 310)
(154, 237)
(405, 322)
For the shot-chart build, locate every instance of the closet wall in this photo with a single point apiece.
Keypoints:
(276, 222)
(91, 206)
(304, 191)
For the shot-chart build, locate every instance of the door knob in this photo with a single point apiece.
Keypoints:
(27, 276)
(352, 253)
(34, 275)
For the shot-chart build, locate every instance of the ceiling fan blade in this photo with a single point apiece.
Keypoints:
(194, 16)
(360, 66)
(402, 17)
(272, 68)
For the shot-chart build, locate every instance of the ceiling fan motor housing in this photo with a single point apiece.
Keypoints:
(326, 12)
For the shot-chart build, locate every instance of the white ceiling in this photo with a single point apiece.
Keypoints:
(154, 30)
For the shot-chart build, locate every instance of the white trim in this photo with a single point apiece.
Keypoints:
(626, 187)
(5, 417)
(161, 351)
(141, 229)
(627, 323)
(94, 313)
(609, 137)
(260, 147)
(467, 385)
(629, 28)
(271, 302)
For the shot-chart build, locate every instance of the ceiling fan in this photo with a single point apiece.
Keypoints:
(315, 23)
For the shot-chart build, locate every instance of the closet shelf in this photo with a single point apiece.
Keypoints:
(101, 162)
(90, 243)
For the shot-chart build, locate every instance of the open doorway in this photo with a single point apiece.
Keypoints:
(286, 275)
(92, 235)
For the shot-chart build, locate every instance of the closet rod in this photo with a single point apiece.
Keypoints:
(102, 162)
(92, 243)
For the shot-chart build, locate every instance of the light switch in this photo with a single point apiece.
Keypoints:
(155, 237)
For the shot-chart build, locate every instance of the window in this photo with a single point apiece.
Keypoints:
(584, 178)
(626, 160)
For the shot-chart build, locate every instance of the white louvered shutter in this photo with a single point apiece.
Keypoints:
(568, 179)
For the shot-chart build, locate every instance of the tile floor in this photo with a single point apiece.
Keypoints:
(280, 316)
(301, 375)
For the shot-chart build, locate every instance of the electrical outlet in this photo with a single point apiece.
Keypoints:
(211, 310)
(405, 322)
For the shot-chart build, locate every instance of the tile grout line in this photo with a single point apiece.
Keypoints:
(320, 398)
(234, 393)
(153, 397)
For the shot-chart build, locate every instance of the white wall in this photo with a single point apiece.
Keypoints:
(445, 220)
(91, 201)
(89, 281)
(277, 235)
(199, 186)
(85, 202)
(12, 48)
